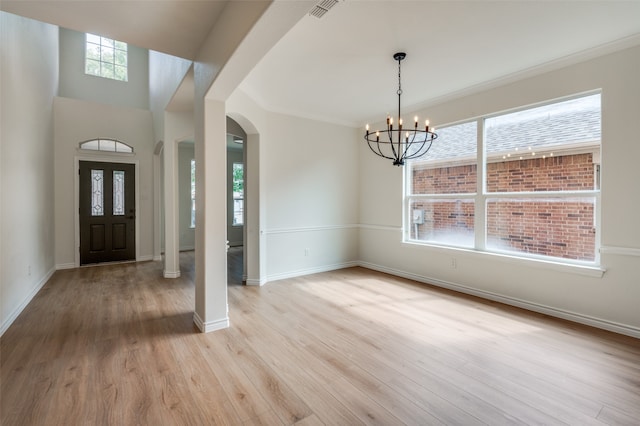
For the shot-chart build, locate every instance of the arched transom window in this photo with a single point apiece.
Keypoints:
(107, 145)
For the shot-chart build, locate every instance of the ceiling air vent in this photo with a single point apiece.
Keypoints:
(323, 7)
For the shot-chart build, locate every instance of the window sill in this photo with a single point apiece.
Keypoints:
(589, 270)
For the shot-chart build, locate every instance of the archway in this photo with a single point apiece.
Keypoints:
(253, 239)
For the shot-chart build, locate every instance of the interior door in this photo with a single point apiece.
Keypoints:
(107, 212)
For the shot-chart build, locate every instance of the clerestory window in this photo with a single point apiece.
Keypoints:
(106, 57)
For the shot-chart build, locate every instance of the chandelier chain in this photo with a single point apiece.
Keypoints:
(399, 79)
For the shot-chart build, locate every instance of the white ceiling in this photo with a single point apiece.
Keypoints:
(176, 27)
(340, 68)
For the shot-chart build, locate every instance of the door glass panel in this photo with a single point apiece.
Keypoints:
(97, 193)
(118, 193)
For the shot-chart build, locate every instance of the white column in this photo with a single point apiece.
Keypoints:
(171, 240)
(253, 226)
(211, 219)
(157, 200)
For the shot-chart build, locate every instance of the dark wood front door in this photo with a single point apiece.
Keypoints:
(107, 212)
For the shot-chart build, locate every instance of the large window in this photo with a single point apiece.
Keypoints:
(106, 57)
(538, 190)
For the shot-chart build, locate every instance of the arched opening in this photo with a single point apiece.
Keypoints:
(253, 242)
(236, 211)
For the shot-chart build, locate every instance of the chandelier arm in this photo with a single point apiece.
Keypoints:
(393, 148)
(409, 144)
(379, 152)
(419, 153)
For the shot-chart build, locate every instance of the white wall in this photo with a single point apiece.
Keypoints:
(610, 301)
(187, 233)
(76, 121)
(166, 72)
(74, 83)
(309, 186)
(29, 81)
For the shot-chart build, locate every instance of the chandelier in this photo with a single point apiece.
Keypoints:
(400, 144)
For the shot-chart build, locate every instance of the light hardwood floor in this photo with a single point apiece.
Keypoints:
(116, 345)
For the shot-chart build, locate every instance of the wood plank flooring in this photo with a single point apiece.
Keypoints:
(116, 345)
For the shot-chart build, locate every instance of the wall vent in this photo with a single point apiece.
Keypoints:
(323, 7)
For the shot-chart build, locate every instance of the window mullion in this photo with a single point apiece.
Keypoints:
(480, 198)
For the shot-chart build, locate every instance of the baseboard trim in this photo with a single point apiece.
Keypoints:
(145, 258)
(157, 258)
(18, 310)
(512, 301)
(206, 327)
(175, 274)
(309, 271)
(255, 281)
(62, 266)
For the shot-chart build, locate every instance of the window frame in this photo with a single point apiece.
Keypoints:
(482, 196)
(233, 196)
(192, 186)
(104, 44)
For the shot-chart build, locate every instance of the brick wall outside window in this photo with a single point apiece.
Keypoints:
(445, 180)
(559, 173)
(557, 227)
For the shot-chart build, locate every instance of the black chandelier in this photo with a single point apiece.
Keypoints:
(402, 144)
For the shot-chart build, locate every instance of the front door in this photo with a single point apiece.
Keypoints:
(107, 212)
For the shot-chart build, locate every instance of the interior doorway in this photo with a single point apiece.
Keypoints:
(236, 214)
(107, 212)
